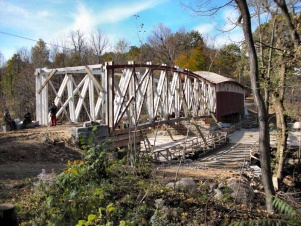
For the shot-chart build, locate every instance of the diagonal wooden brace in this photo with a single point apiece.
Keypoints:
(47, 80)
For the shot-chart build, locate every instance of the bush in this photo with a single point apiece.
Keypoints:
(97, 190)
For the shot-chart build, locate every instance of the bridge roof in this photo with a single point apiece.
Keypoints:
(216, 78)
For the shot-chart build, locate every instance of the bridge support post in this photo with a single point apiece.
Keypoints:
(41, 98)
(109, 95)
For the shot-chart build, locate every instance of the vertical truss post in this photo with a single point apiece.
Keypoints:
(109, 97)
(92, 100)
(132, 93)
(71, 96)
(150, 96)
(41, 98)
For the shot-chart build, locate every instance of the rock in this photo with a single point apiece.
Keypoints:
(296, 126)
(159, 203)
(186, 184)
(188, 160)
(288, 181)
(242, 192)
(171, 185)
(218, 194)
(60, 144)
(256, 170)
(90, 123)
(221, 185)
(211, 187)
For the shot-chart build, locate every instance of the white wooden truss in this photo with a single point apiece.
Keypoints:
(134, 94)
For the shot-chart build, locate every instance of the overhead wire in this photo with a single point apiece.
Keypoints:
(34, 40)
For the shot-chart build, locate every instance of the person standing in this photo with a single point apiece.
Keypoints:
(53, 111)
(9, 121)
(27, 119)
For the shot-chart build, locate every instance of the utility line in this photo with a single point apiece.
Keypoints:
(30, 39)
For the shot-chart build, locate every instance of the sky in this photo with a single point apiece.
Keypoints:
(53, 20)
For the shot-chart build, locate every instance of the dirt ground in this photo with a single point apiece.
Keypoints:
(24, 153)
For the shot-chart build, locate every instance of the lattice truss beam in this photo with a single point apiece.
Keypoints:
(117, 94)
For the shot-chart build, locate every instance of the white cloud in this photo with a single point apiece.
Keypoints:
(225, 39)
(205, 28)
(86, 18)
(224, 31)
(83, 18)
(42, 14)
(121, 12)
(229, 19)
(7, 8)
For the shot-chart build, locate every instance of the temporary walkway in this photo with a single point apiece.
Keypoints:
(236, 154)
(169, 149)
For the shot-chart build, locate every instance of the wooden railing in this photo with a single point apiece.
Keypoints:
(189, 147)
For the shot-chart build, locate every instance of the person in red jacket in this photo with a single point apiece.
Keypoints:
(53, 111)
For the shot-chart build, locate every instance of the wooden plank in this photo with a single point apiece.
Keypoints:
(96, 83)
(47, 80)
(188, 113)
(121, 113)
(127, 130)
(126, 137)
(119, 99)
(141, 92)
(121, 143)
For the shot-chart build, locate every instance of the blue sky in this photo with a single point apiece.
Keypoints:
(52, 20)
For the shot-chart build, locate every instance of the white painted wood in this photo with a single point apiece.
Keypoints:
(141, 91)
(46, 81)
(132, 90)
(70, 94)
(39, 100)
(119, 99)
(60, 103)
(92, 100)
(171, 104)
(158, 91)
(58, 96)
(150, 99)
(132, 117)
(81, 98)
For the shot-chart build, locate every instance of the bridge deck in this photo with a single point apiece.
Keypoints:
(164, 148)
(237, 153)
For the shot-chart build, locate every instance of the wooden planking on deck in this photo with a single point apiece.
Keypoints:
(182, 146)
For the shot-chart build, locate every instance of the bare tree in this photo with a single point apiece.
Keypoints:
(59, 52)
(2, 74)
(78, 46)
(120, 49)
(2, 60)
(164, 44)
(99, 43)
(264, 143)
(289, 55)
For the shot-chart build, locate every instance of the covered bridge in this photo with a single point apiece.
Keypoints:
(229, 96)
(144, 95)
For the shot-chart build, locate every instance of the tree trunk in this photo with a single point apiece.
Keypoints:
(282, 138)
(264, 144)
(278, 97)
(8, 214)
(293, 30)
(269, 69)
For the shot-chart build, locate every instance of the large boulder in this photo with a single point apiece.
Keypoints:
(185, 184)
(242, 192)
